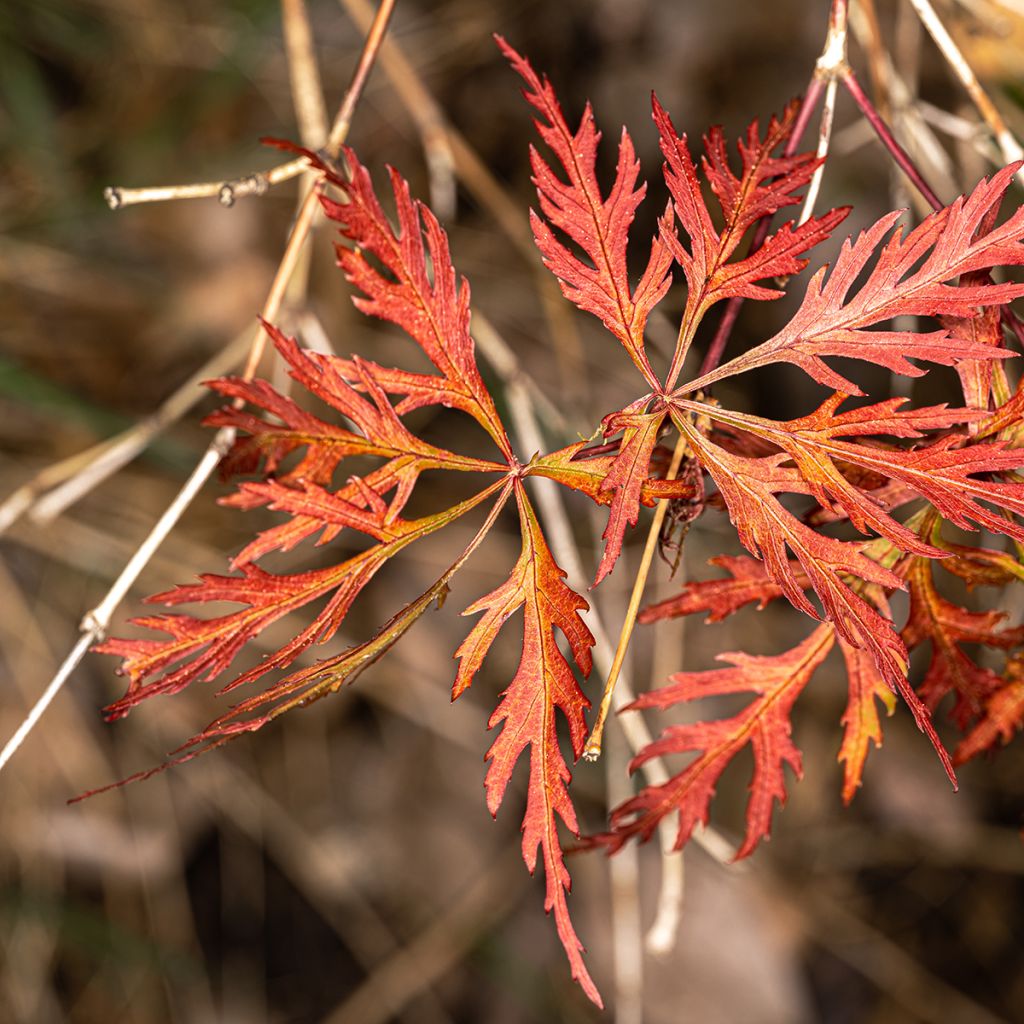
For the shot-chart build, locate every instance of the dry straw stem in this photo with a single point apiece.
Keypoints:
(829, 68)
(57, 487)
(1008, 145)
(96, 622)
(870, 38)
(303, 73)
(426, 113)
(899, 100)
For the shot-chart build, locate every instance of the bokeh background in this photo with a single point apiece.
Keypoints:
(341, 865)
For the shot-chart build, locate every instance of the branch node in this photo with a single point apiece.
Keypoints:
(114, 198)
(92, 627)
(832, 63)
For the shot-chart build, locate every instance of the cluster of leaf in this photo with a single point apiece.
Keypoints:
(853, 462)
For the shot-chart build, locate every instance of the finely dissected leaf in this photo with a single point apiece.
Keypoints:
(861, 725)
(543, 684)
(422, 298)
(910, 278)
(598, 225)
(766, 184)
(427, 304)
(764, 724)
(302, 490)
(749, 581)
(766, 529)
(201, 649)
(859, 465)
(978, 376)
(943, 471)
(327, 676)
(626, 477)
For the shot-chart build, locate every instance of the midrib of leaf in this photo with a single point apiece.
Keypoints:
(897, 296)
(627, 321)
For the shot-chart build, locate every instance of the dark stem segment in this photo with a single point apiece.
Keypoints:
(732, 310)
(898, 153)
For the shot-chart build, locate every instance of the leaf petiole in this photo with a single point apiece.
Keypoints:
(592, 751)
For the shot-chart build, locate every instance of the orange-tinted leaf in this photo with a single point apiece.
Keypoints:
(301, 688)
(979, 567)
(861, 725)
(946, 626)
(543, 684)
(910, 278)
(301, 490)
(766, 529)
(764, 724)
(572, 467)
(598, 225)
(944, 471)
(626, 477)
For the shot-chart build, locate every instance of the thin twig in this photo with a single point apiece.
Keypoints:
(829, 67)
(907, 111)
(261, 182)
(1007, 142)
(225, 191)
(426, 112)
(828, 109)
(872, 42)
(70, 664)
(592, 751)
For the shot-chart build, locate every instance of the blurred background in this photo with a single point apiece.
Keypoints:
(341, 865)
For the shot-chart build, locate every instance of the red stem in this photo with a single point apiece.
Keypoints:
(898, 153)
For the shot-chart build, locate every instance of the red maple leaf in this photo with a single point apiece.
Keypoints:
(851, 468)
